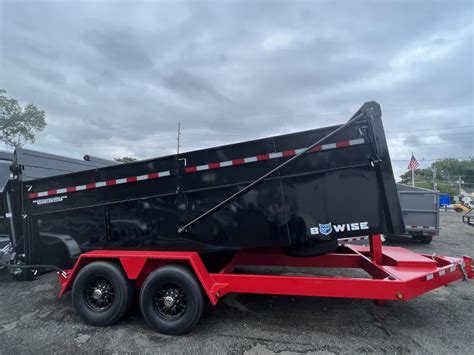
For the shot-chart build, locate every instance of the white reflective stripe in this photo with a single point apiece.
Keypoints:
(250, 159)
(202, 167)
(61, 191)
(225, 163)
(442, 273)
(121, 181)
(142, 177)
(8, 215)
(298, 151)
(429, 277)
(452, 268)
(80, 187)
(100, 184)
(275, 155)
(328, 146)
(356, 141)
(164, 173)
(43, 193)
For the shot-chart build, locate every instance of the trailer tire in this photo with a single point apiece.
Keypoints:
(101, 294)
(171, 300)
(312, 247)
(424, 239)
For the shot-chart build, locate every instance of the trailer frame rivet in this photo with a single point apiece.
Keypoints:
(400, 295)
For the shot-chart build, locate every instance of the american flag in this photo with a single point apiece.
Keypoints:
(413, 164)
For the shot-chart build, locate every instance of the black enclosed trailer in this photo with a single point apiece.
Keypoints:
(342, 186)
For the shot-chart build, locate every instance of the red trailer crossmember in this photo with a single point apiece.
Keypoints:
(394, 273)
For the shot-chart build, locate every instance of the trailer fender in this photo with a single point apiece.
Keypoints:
(138, 264)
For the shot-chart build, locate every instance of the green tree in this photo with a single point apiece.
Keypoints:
(18, 125)
(448, 172)
(125, 159)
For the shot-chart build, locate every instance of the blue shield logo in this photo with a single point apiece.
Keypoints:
(325, 229)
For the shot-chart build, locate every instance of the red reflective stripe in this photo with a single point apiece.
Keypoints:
(238, 161)
(263, 157)
(111, 182)
(52, 192)
(343, 144)
(288, 153)
(214, 165)
(33, 195)
(90, 186)
(132, 179)
(153, 175)
(318, 148)
(71, 189)
(190, 169)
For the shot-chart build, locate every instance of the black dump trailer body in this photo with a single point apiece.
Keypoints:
(342, 187)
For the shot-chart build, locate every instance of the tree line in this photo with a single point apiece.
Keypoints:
(447, 174)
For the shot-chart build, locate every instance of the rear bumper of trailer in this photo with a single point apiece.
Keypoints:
(394, 273)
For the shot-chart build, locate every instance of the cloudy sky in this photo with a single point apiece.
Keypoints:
(115, 78)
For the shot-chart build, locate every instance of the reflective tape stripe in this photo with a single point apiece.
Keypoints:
(197, 168)
(353, 239)
(420, 227)
(442, 272)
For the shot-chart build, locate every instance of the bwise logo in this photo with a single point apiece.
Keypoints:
(328, 228)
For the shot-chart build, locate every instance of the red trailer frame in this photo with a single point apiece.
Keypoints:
(395, 273)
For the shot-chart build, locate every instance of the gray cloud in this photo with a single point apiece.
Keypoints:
(116, 78)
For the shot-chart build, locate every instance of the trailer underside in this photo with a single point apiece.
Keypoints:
(394, 273)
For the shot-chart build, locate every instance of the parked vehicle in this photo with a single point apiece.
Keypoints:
(459, 207)
(177, 227)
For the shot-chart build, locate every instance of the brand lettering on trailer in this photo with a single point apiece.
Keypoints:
(328, 228)
(45, 201)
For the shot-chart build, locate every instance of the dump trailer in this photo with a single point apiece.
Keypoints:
(25, 165)
(179, 227)
(420, 210)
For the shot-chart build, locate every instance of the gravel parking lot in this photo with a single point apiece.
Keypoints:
(33, 320)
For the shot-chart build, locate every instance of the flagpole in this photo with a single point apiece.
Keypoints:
(412, 177)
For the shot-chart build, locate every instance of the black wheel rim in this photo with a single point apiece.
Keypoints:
(169, 301)
(99, 294)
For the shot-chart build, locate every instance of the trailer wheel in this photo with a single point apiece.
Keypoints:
(101, 294)
(424, 239)
(171, 300)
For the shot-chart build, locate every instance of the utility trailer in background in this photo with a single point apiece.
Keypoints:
(468, 218)
(420, 209)
(25, 165)
(178, 227)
